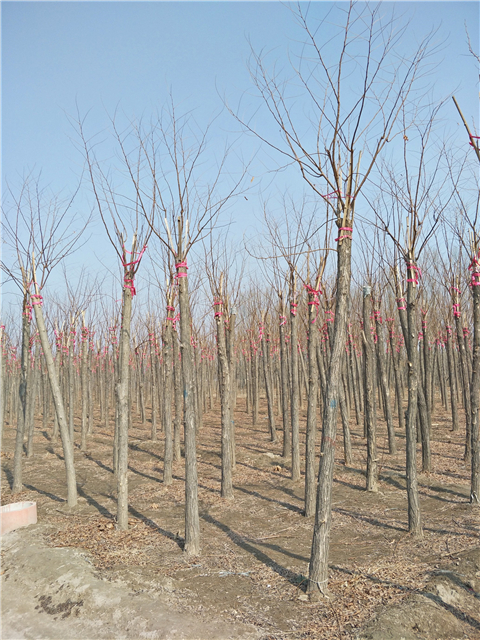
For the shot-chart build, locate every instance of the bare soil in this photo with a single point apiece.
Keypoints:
(74, 575)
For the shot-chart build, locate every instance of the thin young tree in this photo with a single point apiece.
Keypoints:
(42, 232)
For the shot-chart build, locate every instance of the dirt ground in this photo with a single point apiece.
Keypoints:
(73, 575)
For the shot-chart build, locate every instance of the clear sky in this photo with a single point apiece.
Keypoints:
(100, 56)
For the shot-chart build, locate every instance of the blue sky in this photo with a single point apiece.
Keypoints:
(99, 56)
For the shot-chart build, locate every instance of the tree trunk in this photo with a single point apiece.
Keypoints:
(475, 385)
(318, 568)
(287, 436)
(168, 338)
(268, 385)
(225, 400)
(411, 342)
(294, 392)
(382, 377)
(311, 407)
(453, 382)
(17, 486)
(59, 406)
(369, 395)
(123, 410)
(192, 524)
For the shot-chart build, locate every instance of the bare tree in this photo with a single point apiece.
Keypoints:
(41, 231)
(347, 128)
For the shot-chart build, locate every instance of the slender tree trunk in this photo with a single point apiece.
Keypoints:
(453, 382)
(465, 385)
(59, 406)
(225, 399)
(287, 436)
(268, 386)
(475, 385)
(294, 409)
(83, 373)
(153, 372)
(382, 377)
(310, 476)
(168, 338)
(369, 402)
(22, 393)
(178, 392)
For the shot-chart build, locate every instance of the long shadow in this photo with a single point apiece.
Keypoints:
(274, 547)
(135, 447)
(92, 502)
(443, 490)
(9, 476)
(458, 613)
(144, 475)
(395, 483)
(52, 496)
(262, 451)
(370, 520)
(153, 525)
(349, 485)
(288, 506)
(99, 463)
(294, 578)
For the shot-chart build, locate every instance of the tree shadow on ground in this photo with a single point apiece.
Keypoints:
(99, 463)
(153, 525)
(293, 578)
(52, 496)
(93, 503)
(368, 519)
(288, 506)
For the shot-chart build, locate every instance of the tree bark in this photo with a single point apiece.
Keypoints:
(318, 568)
(369, 401)
(123, 409)
(311, 407)
(192, 524)
(59, 406)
